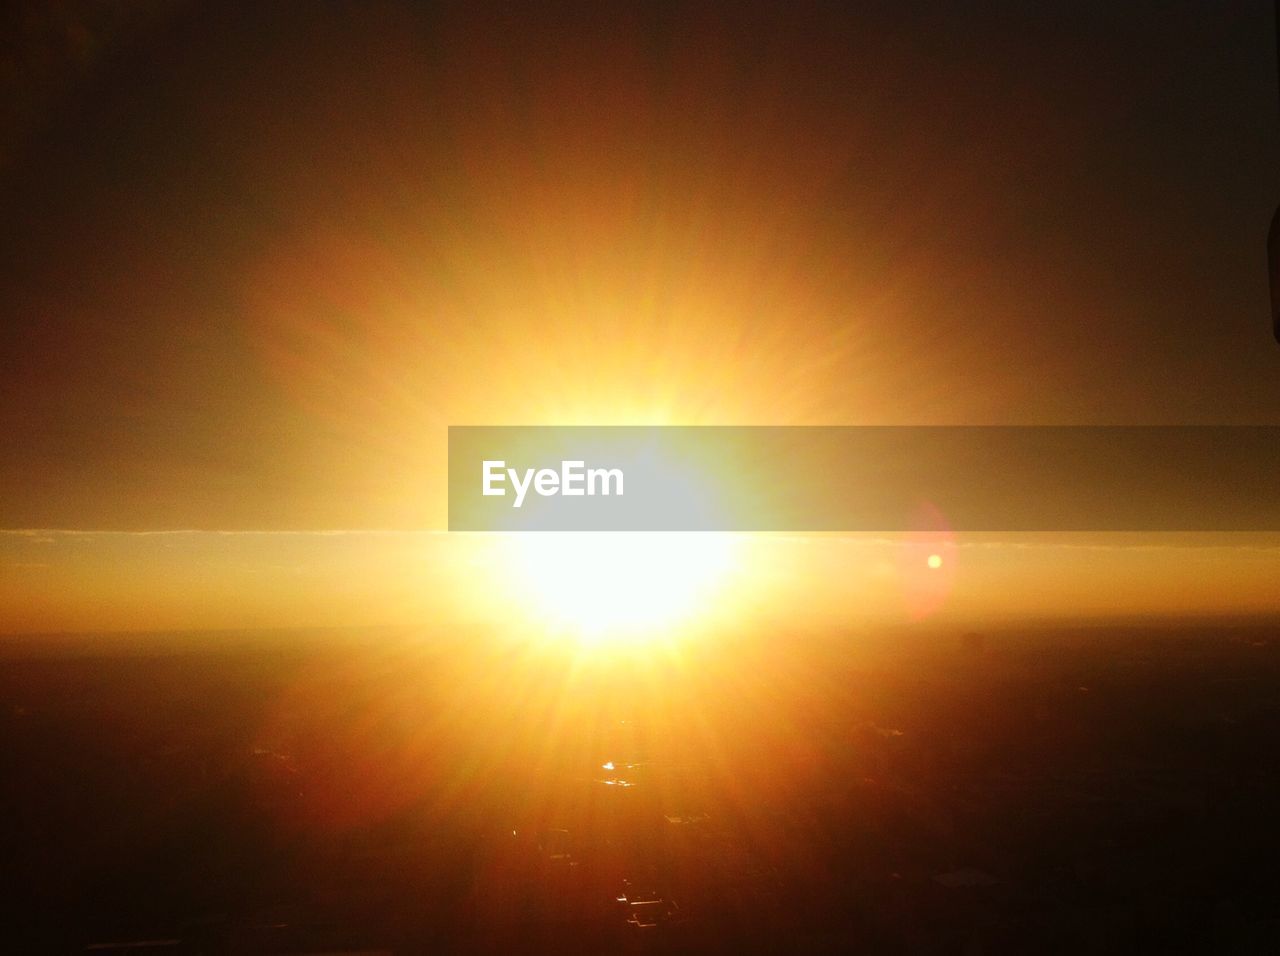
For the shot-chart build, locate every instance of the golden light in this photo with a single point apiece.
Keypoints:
(607, 588)
(935, 561)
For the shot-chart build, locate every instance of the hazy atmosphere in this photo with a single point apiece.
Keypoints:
(257, 260)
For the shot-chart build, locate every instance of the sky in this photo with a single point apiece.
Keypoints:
(253, 263)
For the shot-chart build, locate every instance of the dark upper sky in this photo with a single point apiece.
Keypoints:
(251, 263)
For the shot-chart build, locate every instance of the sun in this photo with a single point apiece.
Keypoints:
(611, 588)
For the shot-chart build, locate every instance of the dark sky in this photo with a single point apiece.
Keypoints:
(253, 262)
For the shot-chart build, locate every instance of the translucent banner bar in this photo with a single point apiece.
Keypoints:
(887, 478)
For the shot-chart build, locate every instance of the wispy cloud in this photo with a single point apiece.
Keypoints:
(51, 535)
(1155, 542)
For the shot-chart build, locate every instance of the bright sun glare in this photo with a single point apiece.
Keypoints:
(620, 587)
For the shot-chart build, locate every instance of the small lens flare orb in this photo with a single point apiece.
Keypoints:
(934, 561)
